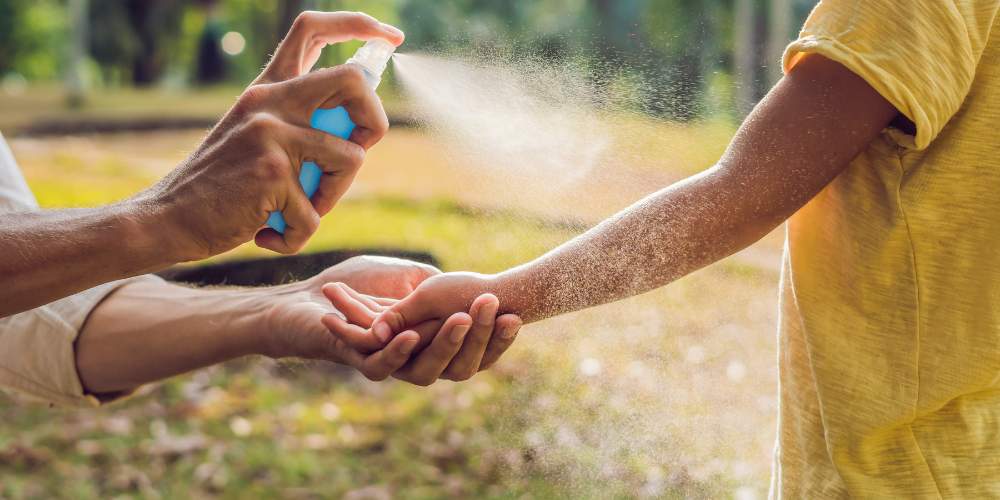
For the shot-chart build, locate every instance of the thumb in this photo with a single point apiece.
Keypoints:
(408, 312)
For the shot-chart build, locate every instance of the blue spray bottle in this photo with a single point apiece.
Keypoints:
(372, 57)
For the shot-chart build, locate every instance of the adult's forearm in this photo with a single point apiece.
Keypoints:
(149, 331)
(48, 255)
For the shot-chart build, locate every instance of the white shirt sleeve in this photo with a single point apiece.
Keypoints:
(37, 354)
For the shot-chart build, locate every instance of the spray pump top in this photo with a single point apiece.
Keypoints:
(373, 57)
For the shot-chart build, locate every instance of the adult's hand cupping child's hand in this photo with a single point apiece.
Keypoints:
(455, 347)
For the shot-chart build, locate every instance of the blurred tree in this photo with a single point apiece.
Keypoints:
(211, 63)
(76, 87)
(750, 59)
(33, 35)
(660, 56)
(288, 10)
(684, 48)
(135, 36)
(780, 32)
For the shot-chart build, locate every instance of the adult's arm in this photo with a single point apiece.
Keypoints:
(152, 330)
(804, 133)
(221, 195)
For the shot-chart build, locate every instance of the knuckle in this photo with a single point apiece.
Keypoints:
(304, 20)
(252, 97)
(312, 225)
(375, 376)
(272, 167)
(262, 124)
(351, 75)
(354, 156)
(380, 127)
(362, 20)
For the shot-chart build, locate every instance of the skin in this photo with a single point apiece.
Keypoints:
(149, 331)
(801, 136)
(220, 196)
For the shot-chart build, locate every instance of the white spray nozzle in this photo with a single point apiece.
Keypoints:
(373, 56)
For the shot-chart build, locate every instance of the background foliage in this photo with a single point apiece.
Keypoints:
(672, 50)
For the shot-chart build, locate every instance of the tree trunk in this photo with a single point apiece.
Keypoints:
(287, 11)
(745, 56)
(146, 64)
(779, 36)
(75, 85)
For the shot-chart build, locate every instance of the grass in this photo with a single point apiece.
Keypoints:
(48, 103)
(667, 395)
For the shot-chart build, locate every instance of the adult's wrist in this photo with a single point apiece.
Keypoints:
(136, 226)
(273, 309)
(158, 230)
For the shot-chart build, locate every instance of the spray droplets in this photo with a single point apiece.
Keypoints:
(624, 401)
(590, 367)
(520, 116)
(736, 371)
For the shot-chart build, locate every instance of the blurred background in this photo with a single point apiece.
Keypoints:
(671, 394)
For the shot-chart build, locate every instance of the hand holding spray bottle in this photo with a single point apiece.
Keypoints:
(372, 57)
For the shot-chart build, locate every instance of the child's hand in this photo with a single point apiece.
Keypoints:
(436, 298)
(456, 348)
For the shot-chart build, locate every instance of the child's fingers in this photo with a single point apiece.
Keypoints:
(354, 310)
(466, 362)
(427, 366)
(427, 331)
(385, 301)
(367, 300)
(383, 363)
(356, 337)
(504, 333)
(401, 315)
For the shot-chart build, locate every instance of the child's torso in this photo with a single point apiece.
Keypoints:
(890, 335)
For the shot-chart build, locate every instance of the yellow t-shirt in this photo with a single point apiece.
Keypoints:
(889, 343)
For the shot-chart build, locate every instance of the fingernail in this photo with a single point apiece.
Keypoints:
(458, 333)
(382, 331)
(508, 333)
(392, 29)
(487, 313)
(407, 347)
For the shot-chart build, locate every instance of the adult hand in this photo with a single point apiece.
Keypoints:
(292, 325)
(455, 348)
(377, 276)
(248, 166)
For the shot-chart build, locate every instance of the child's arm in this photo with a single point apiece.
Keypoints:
(805, 132)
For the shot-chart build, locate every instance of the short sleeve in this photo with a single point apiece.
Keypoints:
(921, 55)
(15, 196)
(37, 348)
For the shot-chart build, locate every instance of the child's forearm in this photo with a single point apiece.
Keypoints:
(807, 130)
(661, 238)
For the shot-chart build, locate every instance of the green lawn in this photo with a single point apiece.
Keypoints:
(666, 395)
